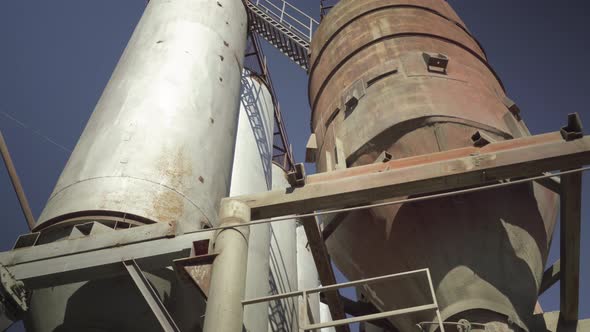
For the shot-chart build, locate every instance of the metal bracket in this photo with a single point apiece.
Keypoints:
(197, 268)
(512, 107)
(574, 129)
(383, 157)
(26, 240)
(481, 139)
(296, 177)
(151, 297)
(353, 94)
(311, 149)
(436, 62)
(13, 299)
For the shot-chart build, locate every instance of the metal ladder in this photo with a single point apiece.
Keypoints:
(283, 26)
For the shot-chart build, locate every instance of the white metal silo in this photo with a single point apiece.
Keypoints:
(159, 144)
(251, 173)
(283, 265)
(158, 148)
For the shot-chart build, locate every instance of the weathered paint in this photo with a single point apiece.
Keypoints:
(372, 89)
(159, 144)
(158, 148)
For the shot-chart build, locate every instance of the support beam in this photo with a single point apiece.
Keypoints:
(332, 225)
(18, 188)
(553, 184)
(550, 277)
(325, 272)
(48, 270)
(571, 213)
(443, 171)
(150, 296)
(225, 312)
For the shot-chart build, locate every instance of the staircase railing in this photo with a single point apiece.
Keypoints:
(289, 16)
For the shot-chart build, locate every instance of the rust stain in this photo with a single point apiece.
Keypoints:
(176, 171)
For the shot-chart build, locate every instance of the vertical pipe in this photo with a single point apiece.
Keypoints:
(224, 311)
(18, 188)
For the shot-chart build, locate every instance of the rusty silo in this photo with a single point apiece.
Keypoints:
(395, 79)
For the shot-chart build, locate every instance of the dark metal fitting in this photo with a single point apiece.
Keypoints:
(512, 107)
(26, 240)
(384, 157)
(436, 62)
(574, 129)
(296, 177)
(12, 293)
(481, 139)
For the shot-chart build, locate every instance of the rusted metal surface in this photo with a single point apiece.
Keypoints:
(197, 269)
(406, 77)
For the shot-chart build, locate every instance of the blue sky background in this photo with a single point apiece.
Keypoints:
(56, 57)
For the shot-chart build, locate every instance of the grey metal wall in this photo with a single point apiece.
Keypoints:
(159, 144)
(283, 266)
(251, 173)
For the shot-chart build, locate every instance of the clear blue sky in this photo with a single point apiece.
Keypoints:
(56, 57)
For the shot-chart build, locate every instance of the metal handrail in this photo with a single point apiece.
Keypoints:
(281, 14)
(305, 293)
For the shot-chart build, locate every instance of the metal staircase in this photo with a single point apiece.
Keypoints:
(283, 26)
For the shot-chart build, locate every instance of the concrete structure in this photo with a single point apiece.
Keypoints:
(396, 79)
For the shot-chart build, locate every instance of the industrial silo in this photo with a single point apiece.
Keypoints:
(158, 148)
(283, 265)
(395, 79)
(252, 173)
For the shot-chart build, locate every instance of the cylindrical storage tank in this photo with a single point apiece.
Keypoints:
(283, 265)
(406, 77)
(251, 173)
(150, 152)
(307, 274)
(159, 144)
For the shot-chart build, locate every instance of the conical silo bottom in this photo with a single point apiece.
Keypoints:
(485, 251)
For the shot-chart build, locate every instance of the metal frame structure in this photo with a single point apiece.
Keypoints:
(256, 62)
(290, 16)
(99, 252)
(284, 26)
(306, 325)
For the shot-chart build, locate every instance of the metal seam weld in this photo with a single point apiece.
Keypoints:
(363, 47)
(382, 8)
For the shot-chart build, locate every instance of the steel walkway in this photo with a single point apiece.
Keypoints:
(283, 26)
